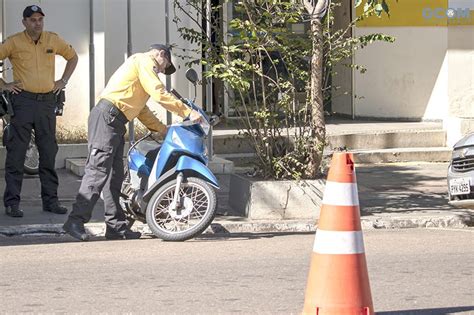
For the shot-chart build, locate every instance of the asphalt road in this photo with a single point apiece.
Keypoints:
(412, 271)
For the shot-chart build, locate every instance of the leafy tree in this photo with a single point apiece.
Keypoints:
(316, 10)
(266, 67)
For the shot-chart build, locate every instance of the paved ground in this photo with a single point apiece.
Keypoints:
(412, 271)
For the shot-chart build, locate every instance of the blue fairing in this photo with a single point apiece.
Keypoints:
(188, 163)
(180, 140)
(183, 148)
(138, 162)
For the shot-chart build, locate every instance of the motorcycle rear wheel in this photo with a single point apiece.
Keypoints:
(197, 210)
(31, 165)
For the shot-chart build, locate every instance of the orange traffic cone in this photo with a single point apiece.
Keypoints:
(338, 281)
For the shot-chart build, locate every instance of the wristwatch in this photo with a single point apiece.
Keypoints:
(64, 80)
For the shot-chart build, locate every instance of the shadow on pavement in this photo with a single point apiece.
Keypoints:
(54, 239)
(431, 311)
(402, 188)
(63, 238)
(34, 240)
(248, 236)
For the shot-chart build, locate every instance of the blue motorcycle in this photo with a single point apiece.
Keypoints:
(168, 184)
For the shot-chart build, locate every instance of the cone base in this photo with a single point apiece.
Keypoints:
(343, 311)
(338, 284)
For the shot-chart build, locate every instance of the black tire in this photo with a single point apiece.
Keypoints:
(203, 214)
(126, 190)
(31, 165)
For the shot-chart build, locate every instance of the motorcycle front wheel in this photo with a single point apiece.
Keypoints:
(195, 212)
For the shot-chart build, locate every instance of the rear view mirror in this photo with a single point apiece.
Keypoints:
(191, 75)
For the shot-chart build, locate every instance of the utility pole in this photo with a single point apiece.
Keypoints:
(167, 42)
(209, 96)
(91, 56)
(131, 126)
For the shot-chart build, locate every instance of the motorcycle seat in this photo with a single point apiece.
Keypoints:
(149, 149)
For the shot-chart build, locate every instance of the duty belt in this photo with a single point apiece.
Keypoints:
(108, 107)
(40, 97)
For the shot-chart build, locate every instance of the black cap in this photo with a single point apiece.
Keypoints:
(31, 9)
(171, 68)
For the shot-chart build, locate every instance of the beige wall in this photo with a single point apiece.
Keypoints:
(406, 79)
(460, 119)
(342, 97)
(461, 71)
(427, 74)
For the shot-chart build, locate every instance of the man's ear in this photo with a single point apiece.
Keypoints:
(24, 22)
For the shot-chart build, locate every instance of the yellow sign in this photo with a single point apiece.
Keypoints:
(419, 13)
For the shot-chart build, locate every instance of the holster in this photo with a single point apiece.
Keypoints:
(6, 104)
(60, 99)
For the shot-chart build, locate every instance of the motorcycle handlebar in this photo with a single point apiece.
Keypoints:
(214, 120)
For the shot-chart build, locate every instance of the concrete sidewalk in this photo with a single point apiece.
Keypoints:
(404, 195)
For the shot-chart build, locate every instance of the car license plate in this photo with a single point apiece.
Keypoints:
(459, 186)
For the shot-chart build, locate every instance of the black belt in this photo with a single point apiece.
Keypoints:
(108, 107)
(41, 97)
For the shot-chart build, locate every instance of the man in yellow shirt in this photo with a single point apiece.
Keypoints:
(32, 55)
(123, 99)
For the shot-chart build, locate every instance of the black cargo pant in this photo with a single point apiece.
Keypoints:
(39, 115)
(104, 166)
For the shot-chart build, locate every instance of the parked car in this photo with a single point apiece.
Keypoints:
(461, 173)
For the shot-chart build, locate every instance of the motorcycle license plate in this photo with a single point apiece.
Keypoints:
(459, 186)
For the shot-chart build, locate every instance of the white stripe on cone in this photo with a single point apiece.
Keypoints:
(341, 194)
(338, 242)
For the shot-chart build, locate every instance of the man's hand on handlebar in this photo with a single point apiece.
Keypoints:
(195, 116)
(158, 135)
(14, 87)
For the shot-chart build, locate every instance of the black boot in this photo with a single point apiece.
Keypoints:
(13, 211)
(55, 208)
(76, 229)
(127, 234)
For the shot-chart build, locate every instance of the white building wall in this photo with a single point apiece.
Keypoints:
(460, 119)
(405, 79)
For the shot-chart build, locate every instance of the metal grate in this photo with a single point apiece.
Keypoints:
(464, 164)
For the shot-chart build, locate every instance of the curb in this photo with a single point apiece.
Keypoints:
(222, 227)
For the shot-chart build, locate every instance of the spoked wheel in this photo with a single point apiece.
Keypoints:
(196, 210)
(31, 166)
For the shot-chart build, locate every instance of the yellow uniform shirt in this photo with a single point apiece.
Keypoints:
(131, 86)
(33, 64)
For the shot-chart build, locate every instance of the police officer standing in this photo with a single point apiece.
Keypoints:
(32, 55)
(123, 99)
